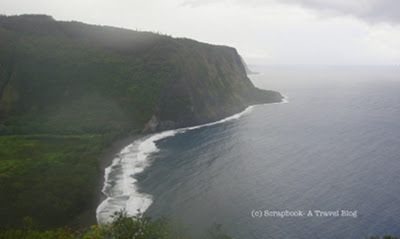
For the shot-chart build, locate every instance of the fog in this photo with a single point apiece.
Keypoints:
(264, 31)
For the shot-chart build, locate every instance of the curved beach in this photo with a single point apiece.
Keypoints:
(120, 190)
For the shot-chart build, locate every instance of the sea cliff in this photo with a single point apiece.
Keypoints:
(70, 77)
(69, 89)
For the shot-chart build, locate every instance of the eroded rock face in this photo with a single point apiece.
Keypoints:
(151, 126)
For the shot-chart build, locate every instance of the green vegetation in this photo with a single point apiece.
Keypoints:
(68, 89)
(73, 78)
(123, 227)
(47, 177)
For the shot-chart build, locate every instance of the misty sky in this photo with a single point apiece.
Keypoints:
(263, 31)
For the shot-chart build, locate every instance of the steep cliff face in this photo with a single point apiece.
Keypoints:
(211, 84)
(68, 89)
(69, 77)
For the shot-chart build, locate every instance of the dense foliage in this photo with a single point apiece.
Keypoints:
(73, 78)
(123, 227)
(47, 177)
(52, 83)
(68, 89)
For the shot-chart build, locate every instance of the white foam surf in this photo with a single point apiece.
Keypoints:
(120, 185)
(284, 100)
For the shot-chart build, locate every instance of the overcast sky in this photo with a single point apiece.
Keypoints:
(263, 31)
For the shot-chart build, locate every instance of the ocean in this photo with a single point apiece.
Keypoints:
(324, 164)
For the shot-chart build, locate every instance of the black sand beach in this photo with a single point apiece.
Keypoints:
(106, 159)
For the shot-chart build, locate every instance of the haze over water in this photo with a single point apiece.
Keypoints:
(334, 146)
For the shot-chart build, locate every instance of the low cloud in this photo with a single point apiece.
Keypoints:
(370, 11)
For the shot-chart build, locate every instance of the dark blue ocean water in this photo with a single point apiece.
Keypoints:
(334, 146)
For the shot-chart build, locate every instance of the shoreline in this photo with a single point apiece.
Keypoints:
(106, 160)
(109, 154)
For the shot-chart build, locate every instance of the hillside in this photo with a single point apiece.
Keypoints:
(68, 89)
(69, 77)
